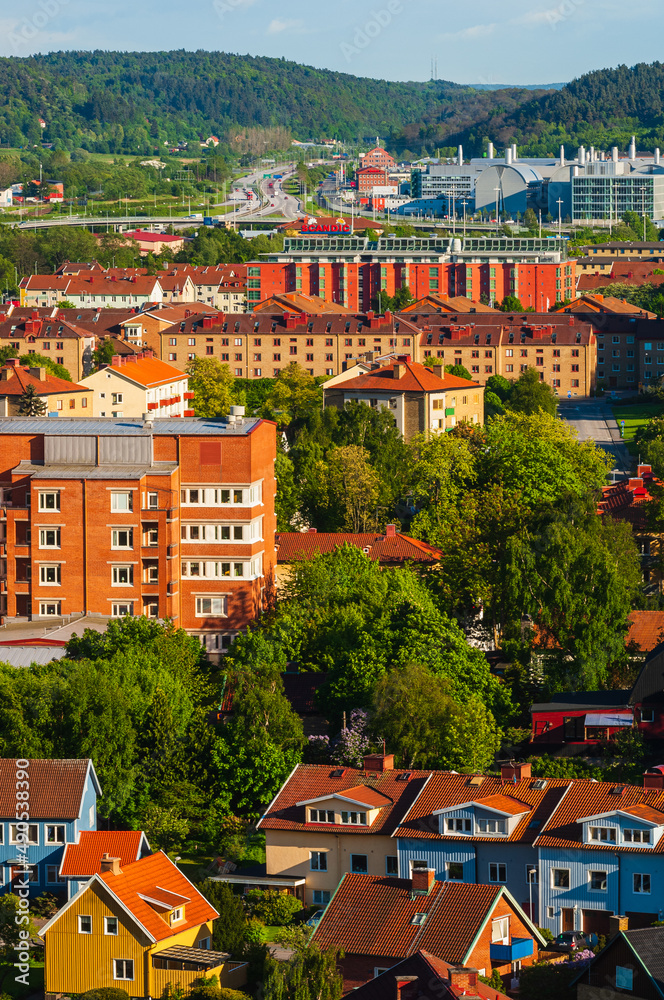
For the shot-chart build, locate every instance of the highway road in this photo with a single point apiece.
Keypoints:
(594, 421)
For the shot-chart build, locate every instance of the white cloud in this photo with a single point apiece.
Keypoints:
(278, 25)
(469, 34)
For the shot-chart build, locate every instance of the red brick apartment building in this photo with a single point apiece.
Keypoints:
(357, 284)
(166, 518)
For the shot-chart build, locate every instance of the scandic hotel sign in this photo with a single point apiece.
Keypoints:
(337, 228)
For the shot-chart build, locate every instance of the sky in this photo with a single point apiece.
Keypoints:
(484, 41)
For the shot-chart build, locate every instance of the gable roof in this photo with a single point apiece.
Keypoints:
(433, 303)
(424, 977)
(412, 377)
(146, 372)
(396, 549)
(299, 302)
(647, 946)
(361, 795)
(504, 804)
(373, 915)
(18, 378)
(84, 858)
(153, 877)
(309, 782)
(597, 303)
(56, 787)
(646, 629)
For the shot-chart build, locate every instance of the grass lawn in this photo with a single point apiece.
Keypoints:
(17, 990)
(635, 417)
(270, 934)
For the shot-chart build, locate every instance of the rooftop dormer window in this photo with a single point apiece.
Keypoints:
(457, 825)
(177, 915)
(354, 818)
(492, 826)
(602, 834)
(637, 837)
(418, 919)
(321, 816)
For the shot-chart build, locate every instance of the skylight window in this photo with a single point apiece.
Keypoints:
(418, 919)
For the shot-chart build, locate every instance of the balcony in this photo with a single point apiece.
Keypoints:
(519, 948)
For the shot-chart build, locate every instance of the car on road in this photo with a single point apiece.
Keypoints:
(570, 941)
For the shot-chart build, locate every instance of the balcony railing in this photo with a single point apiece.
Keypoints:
(519, 948)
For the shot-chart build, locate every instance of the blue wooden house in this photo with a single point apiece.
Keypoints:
(44, 805)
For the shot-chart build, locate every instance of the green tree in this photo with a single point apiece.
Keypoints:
(458, 371)
(30, 404)
(212, 385)
(530, 219)
(16, 927)
(103, 353)
(355, 487)
(310, 975)
(530, 395)
(511, 303)
(287, 502)
(410, 709)
(39, 361)
(500, 385)
(166, 829)
(294, 396)
(230, 928)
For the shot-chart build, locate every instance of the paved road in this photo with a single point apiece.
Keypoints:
(594, 421)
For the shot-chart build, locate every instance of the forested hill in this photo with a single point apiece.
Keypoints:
(602, 108)
(131, 102)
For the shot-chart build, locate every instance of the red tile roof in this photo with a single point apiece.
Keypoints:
(56, 787)
(414, 377)
(588, 798)
(433, 303)
(148, 371)
(504, 804)
(426, 980)
(373, 915)
(623, 272)
(385, 549)
(299, 302)
(141, 236)
(628, 500)
(19, 378)
(602, 304)
(158, 878)
(363, 795)
(84, 858)
(646, 629)
(312, 781)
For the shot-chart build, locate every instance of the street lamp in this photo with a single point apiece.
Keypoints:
(531, 873)
(497, 190)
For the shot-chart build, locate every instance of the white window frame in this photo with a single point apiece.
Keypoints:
(43, 532)
(497, 865)
(50, 493)
(126, 495)
(116, 398)
(641, 876)
(553, 878)
(177, 915)
(81, 918)
(632, 836)
(115, 543)
(14, 832)
(120, 964)
(318, 861)
(500, 930)
(44, 611)
(43, 572)
(597, 871)
(115, 574)
(116, 611)
(55, 826)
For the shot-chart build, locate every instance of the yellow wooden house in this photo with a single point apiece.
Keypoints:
(137, 928)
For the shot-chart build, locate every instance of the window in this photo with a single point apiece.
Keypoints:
(49, 501)
(110, 925)
(122, 501)
(153, 501)
(122, 538)
(497, 872)
(419, 919)
(647, 715)
(358, 864)
(116, 397)
(318, 861)
(560, 878)
(320, 896)
(636, 837)
(391, 865)
(458, 825)
(641, 883)
(177, 915)
(23, 833)
(123, 576)
(191, 341)
(603, 833)
(210, 606)
(123, 968)
(354, 818)
(321, 815)
(152, 537)
(120, 610)
(500, 930)
(84, 924)
(52, 876)
(50, 608)
(597, 881)
(50, 574)
(624, 978)
(492, 826)
(172, 342)
(55, 834)
(455, 870)
(172, 357)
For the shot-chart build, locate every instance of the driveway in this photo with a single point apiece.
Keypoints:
(594, 421)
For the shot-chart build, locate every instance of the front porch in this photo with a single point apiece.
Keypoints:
(182, 965)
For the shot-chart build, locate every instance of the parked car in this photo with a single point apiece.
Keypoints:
(314, 919)
(570, 941)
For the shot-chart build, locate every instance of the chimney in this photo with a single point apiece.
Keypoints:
(635, 484)
(13, 363)
(461, 977)
(656, 157)
(398, 370)
(38, 373)
(390, 531)
(617, 923)
(400, 983)
(632, 148)
(115, 361)
(653, 778)
(489, 151)
(312, 531)
(422, 880)
(644, 470)
(514, 770)
(379, 762)
(109, 864)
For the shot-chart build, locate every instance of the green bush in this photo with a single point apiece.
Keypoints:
(274, 908)
(105, 993)
(546, 934)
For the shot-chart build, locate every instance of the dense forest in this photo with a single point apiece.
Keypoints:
(135, 101)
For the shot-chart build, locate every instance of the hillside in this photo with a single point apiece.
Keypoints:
(133, 102)
(602, 108)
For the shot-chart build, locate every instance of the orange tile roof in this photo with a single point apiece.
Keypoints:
(588, 798)
(604, 303)
(366, 796)
(148, 371)
(646, 629)
(447, 303)
(299, 302)
(504, 804)
(56, 787)
(84, 858)
(156, 872)
(415, 378)
(19, 378)
(315, 781)
(385, 549)
(446, 790)
(372, 915)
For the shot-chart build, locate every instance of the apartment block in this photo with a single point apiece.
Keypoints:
(50, 335)
(166, 518)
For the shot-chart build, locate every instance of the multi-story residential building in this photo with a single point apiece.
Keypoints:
(63, 805)
(355, 272)
(90, 289)
(53, 336)
(223, 286)
(370, 177)
(134, 385)
(142, 926)
(570, 851)
(166, 518)
(629, 249)
(154, 242)
(84, 858)
(141, 329)
(620, 272)
(60, 396)
(420, 401)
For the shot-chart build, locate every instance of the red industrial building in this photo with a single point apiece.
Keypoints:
(166, 518)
